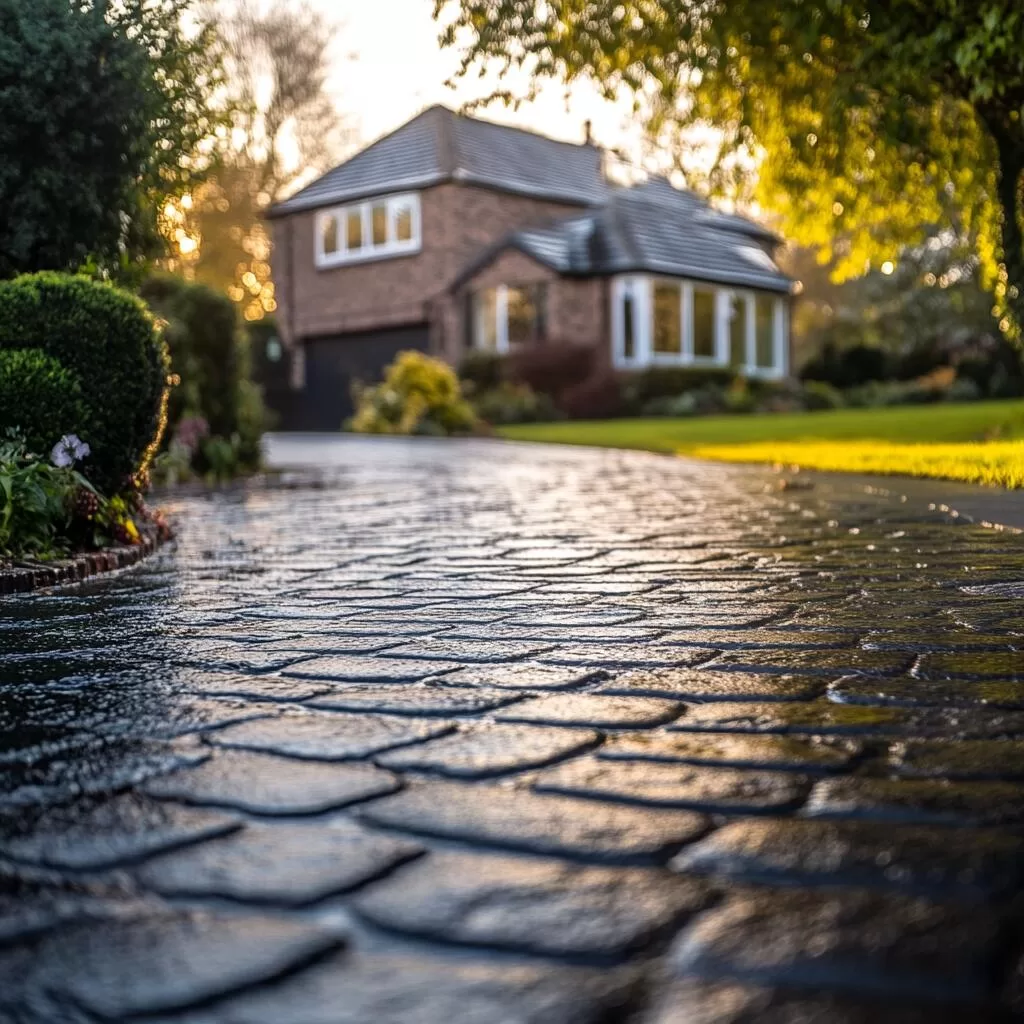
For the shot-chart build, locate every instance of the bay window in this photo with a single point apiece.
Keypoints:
(368, 230)
(674, 322)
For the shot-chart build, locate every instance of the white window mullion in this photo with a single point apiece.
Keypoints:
(501, 314)
(778, 338)
(751, 333)
(687, 321)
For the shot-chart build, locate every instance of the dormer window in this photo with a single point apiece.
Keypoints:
(375, 229)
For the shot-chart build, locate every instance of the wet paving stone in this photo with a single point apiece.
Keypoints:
(328, 736)
(628, 656)
(816, 661)
(828, 718)
(912, 692)
(154, 963)
(523, 677)
(395, 988)
(483, 751)
(814, 754)
(963, 863)
(413, 700)
(111, 833)
(594, 710)
(287, 865)
(343, 669)
(524, 728)
(268, 785)
(703, 684)
(933, 801)
(881, 943)
(958, 759)
(989, 664)
(710, 789)
(543, 824)
(538, 906)
(704, 1002)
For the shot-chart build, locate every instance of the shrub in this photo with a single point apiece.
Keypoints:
(848, 367)
(642, 387)
(551, 369)
(39, 398)
(481, 371)
(419, 395)
(109, 341)
(597, 397)
(818, 395)
(514, 403)
(210, 355)
(685, 404)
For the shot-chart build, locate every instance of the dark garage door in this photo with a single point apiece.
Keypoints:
(334, 363)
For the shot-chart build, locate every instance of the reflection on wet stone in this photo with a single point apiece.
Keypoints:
(468, 734)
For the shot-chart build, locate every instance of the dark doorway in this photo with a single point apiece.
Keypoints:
(335, 363)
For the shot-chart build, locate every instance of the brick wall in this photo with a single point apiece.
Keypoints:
(458, 220)
(577, 307)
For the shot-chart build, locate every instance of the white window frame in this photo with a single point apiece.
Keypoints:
(501, 342)
(368, 251)
(641, 287)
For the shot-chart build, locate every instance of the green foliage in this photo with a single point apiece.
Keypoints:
(210, 356)
(103, 110)
(35, 502)
(819, 395)
(107, 339)
(513, 403)
(481, 371)
(39, 398)
(642, 387)
(869, 120)
(419, 395)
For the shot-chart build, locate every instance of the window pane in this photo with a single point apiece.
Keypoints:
(522, 316)
(485, 320)
(765, 331)
(628, 332)
(540, 305)
(668, 324)
(379, 219)
(403, 222)
(737, 306)
(354, 229)
(329, 233)
(703, 323)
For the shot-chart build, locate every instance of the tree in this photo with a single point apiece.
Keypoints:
(104, 110)
(871, 121)
(284, 128)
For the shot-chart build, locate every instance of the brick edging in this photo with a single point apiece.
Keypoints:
(20, 579)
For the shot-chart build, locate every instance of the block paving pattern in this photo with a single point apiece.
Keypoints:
(490, 734)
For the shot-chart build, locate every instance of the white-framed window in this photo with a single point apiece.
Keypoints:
(371, 230)
(508, 315)
(630, 338)
(658, 321)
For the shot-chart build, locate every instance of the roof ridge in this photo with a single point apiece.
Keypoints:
(447, 144)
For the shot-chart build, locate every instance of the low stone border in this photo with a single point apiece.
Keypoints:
(25, 576)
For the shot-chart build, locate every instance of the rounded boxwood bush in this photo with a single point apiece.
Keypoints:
(39, 398)
(109, 341)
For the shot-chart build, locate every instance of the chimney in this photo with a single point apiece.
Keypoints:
(588, 135)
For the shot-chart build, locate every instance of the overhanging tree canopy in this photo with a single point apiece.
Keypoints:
(871, 120)
(104, 108)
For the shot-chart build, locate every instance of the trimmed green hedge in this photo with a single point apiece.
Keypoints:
(40, 398)
(109, 341)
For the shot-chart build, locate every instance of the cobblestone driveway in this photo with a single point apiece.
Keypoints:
(482, 734)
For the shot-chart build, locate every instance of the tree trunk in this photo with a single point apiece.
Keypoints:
(1010, 147)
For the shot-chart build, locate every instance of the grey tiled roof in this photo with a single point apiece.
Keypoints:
(440, 145)
(652, 228)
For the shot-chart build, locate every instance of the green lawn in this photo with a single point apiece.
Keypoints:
(931, 440)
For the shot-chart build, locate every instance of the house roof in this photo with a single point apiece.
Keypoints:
(651, 228)
(440, 145)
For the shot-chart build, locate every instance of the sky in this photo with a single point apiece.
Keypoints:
(389, 66)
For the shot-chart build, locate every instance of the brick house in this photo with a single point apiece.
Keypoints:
(453, 233)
